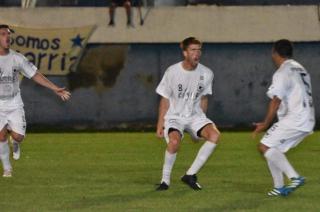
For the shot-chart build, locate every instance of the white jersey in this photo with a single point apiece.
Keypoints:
(291, 83)
(10, 66)
(184, 90)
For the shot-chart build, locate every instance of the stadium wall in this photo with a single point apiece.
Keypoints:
(115, 81)
(115, 85)
(215, 24)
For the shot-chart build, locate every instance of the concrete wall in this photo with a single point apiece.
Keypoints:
(171, 24)
(114, 86)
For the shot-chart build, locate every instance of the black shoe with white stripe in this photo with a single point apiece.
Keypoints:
(191, 180)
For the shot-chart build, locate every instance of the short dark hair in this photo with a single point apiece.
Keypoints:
(5, 26)
(188, 41)
(284, 48)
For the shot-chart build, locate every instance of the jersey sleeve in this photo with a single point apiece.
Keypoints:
(163, 88)
(278, 87)
(27, 68)
(208, 86)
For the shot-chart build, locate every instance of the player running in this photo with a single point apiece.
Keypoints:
(291, 99)
(184, 89)
(12, 118)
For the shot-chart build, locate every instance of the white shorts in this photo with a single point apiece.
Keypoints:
(283, 138)
(14, 120)
(191, 125)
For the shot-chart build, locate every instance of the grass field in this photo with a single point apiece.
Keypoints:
(118, 172)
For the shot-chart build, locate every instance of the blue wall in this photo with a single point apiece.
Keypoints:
(114, 85)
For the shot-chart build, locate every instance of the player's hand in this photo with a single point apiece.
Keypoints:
(63, 93)
(259, 127)
(160, 131)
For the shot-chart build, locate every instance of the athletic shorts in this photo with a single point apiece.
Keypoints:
(191, 125)
(283, 138)
(14, 120)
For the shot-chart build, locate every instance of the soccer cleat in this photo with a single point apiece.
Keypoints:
(7, 173)
(162, 186)
(191, 180)
(295, 183)
(16, 151)
(283, 191)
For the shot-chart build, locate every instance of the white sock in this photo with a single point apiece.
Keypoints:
(169, 160)
(277, 175)
(202, 156)
(280, 160)
(5, 155)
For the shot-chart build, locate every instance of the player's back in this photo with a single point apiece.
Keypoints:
(298, 101)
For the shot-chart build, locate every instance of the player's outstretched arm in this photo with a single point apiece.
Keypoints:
(42, 80)
(271, 114)
(163, 108)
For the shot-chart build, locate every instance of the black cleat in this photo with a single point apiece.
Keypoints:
(162, 187)
(191, 180)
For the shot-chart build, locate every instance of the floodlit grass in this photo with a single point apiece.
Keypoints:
(118, 172)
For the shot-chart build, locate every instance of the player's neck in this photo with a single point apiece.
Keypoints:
(281, 61)
(4, 51)
(188, 66)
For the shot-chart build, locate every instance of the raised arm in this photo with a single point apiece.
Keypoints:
(163, 108)
(42, 80)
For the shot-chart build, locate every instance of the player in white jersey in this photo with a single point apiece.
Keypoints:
(12, 119)
(291, 100)
(184, 89)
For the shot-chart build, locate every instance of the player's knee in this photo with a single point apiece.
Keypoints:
(3, 138)
(17, 137)
(262, 148)
(3, 135)
(174, 142)
(173, 145)
(214, 137)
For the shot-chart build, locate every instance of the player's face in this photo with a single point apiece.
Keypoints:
(192, 54)
(4, 38)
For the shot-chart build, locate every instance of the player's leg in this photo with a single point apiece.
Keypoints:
(127, 6)
(278, 165)
(112, 10)
(17, 125)
(211, 135)
(274, 144)
(16, 140)
(5, 152)
(295, 138)
(173, 135)
(201, 127)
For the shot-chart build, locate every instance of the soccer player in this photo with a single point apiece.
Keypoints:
(291, 99)
(12, 119)
(184, 89)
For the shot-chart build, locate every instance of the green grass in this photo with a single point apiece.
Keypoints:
(118, 172)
